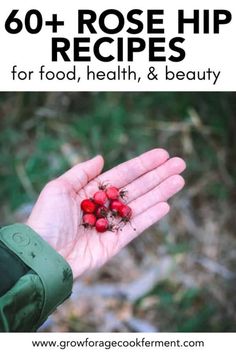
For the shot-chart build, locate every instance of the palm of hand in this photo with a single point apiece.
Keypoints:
(149, 179)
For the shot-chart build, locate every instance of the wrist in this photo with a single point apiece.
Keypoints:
(51, 241)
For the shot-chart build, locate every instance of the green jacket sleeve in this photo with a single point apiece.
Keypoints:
(34, 279)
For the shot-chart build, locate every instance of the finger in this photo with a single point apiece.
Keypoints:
(161, 193)
(128, 171)
(142, 222)
(152, 179)
(79, 175)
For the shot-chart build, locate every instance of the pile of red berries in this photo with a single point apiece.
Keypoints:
(106, 210)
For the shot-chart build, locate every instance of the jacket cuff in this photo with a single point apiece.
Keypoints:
(52, 269)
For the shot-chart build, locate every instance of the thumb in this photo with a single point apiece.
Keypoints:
(79, 175)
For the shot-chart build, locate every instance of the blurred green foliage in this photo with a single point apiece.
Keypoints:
(118, 125)
(35, 126)
(181, 309)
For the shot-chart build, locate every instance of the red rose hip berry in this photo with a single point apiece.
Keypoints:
(100, 198)
(88, 206)
(102, 225)
(89, 220)
(112, 193)
(125, 212)
(102, 212)
(115, 206)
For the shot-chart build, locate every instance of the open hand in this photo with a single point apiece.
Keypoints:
(150, 179)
